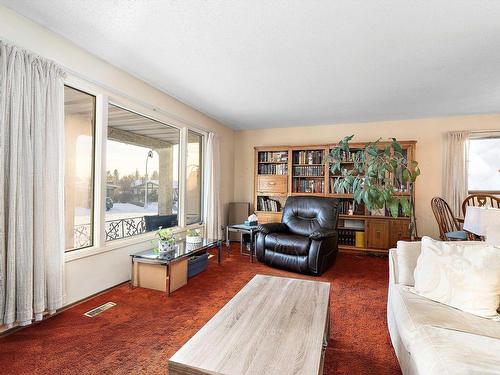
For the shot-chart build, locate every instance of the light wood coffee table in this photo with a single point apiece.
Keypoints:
(273, 325)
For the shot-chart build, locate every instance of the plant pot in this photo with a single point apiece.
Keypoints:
(193, 239)
(164, 246)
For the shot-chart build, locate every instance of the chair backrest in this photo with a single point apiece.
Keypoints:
(444, 217)
(303, 215)
(480, 200)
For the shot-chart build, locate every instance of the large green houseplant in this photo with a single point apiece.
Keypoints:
(379, 175)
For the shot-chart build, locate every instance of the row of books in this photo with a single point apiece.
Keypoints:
(308, 186)
(276, 169)
(309, 171)
(347, 237)
(350, 207)
(267, 204)
(348, 156)
(307, 157)
(273, 157)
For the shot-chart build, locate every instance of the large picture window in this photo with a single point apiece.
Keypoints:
(484, 165)
(79, 124)
(142, 187)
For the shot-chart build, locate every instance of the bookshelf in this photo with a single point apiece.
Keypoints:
(281, 171)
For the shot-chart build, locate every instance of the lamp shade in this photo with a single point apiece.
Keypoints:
(479, 219)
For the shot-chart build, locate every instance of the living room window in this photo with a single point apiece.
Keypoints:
(194, 177)
(484, 163)
(142, 168)
(79, 127)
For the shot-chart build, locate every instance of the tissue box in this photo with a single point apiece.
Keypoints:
(250, 223)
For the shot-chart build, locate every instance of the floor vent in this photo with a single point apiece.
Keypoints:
(99, 309)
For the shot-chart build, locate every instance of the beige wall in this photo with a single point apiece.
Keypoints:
(92, 274)
(429, 134)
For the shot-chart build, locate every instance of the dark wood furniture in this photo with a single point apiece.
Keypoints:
(282, 171)
(480, 200)
(449, 227)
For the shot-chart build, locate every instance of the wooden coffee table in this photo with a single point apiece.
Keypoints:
(274, 325)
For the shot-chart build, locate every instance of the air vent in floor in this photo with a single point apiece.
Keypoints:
(99, 309)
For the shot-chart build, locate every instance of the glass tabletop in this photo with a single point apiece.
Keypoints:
(181, 249)
(243, 226)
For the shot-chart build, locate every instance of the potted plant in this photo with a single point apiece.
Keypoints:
(381, 177)
(193, 236)
(166, 239)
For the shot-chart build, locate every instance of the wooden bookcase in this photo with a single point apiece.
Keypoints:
(281, 171)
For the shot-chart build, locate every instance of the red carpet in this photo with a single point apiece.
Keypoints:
(145, 328)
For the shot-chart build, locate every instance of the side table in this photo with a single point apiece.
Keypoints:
(243, 229)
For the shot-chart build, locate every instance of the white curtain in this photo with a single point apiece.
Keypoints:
(455, 173)
(31, 186)
(212, 211)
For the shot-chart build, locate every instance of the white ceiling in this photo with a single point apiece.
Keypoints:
(257, 63)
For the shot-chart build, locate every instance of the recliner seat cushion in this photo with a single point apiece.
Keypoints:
(287, 243)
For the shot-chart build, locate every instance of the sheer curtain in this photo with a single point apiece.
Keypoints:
(31, 186)
(211, 201)
(455, 177)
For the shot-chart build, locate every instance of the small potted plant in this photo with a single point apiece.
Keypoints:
(166, 240)
(193, 236)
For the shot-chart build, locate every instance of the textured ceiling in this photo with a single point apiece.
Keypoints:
(256, 63)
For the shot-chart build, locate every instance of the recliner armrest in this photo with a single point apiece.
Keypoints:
(272, 228)
(322, 233)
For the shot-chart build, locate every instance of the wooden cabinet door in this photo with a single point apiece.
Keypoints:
(269, 217)
(399, 230)
(272, 184)
(377, 232)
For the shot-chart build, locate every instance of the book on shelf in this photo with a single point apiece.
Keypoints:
(275, 169)
(273, 156)
(308, 157)
(350, 205)
(314, 171)
(346, 237)
(267, 204)
(305, 185)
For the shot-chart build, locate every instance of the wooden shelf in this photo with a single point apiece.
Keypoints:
(308, 176)
(307, 165)
(381, 232)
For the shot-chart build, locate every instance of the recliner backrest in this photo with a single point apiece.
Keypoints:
(303, 215)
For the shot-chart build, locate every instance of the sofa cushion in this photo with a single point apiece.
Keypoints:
(438, 351)
(462, 276)
(287, 243)
(412, 312)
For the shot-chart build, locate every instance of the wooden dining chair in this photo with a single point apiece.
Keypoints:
(480, 200)
(449, 228)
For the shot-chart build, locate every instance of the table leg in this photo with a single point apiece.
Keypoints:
(168, 271)
(241, 242)
(252, 245)
(219, 251)
(132, 274)
(227, 237)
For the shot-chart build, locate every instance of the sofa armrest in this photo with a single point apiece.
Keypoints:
(322, 233)
(272, 228)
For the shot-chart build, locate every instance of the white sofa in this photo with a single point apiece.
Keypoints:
(429, 337)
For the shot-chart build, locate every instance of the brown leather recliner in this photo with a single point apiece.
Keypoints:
(306, 239)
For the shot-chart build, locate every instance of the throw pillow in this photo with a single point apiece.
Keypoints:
(466, 277)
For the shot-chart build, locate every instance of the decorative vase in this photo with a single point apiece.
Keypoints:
(193, 239)
(164, 246)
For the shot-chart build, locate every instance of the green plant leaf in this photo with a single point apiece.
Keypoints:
(396, 146)
(393, 206)
(405, 205)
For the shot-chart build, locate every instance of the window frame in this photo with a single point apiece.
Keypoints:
(480, 135)
(92, 172)
(105, 96)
